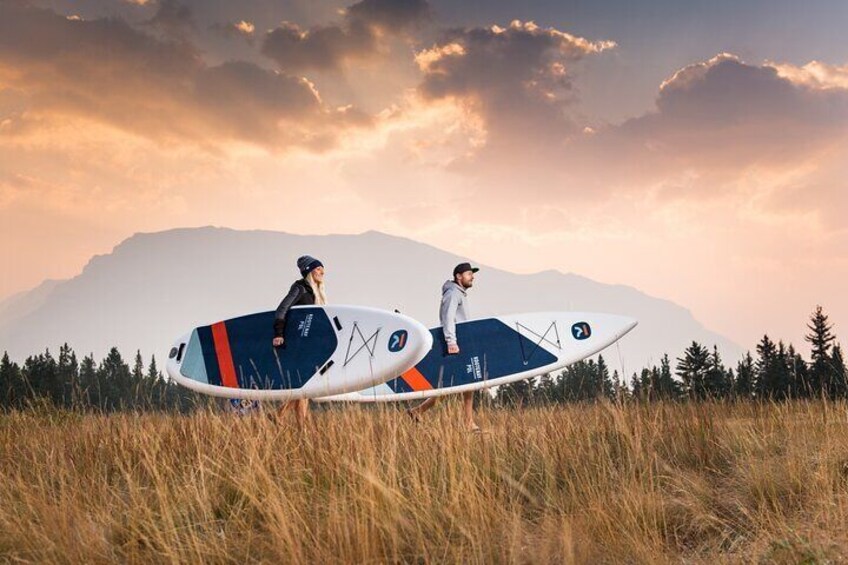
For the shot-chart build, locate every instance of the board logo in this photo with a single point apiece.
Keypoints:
(581, 330)
(473, 369)
(397, 341)
(304, 326)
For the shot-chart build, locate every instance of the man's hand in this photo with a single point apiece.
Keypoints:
(278, 342)
(453, 349)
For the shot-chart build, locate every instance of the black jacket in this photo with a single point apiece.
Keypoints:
(300, 294)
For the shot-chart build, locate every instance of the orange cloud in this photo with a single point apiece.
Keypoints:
(106, 70)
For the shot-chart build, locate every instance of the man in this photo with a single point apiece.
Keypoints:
(454, 308)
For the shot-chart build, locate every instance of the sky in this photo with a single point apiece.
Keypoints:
(697, 151)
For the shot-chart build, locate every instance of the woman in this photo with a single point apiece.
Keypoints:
(306, 291)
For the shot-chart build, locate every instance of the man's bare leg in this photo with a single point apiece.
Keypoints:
(468, 409)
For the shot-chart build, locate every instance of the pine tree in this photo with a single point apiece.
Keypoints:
(647, 385)
(796, 368)
(586, 380)
(821, 339)
(743, 386)
(41, 376)
(89, 390)
(636, 388)
(140, 391)
(138, 367)
(115, 378)
(157, 384)
(692, 369)
(68, 375)
(782, 381)
(731, 384)
(546, 390)
(837, 362)
(772, 375)
(153, 372)
(621, 392)
(657, 383)
(11, 383)
(606, 389)
(715, 379)
(518, 393)
(668, 388)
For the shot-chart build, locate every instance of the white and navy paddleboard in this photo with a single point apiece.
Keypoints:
(500, 350)
(328, 350)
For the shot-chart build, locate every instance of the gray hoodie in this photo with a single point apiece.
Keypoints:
(453, 309)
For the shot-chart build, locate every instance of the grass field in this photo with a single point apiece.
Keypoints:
(602, 483)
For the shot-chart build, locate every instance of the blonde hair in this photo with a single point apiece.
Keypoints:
(317, 289)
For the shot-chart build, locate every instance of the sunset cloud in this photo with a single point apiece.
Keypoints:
(172, 18)
(106, 70)
(242, 28)
(321, 48)
(390, 15)
(721, 127)
(814, 74)
(517, 79)
(329, 47)
(722, 119)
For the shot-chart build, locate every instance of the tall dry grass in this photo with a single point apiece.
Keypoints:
(659, 483)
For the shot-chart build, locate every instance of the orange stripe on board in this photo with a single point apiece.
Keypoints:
(416, 380)
(225, 355)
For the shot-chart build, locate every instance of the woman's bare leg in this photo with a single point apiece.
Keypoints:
(415, 413)
(302, 411)
(299, 407)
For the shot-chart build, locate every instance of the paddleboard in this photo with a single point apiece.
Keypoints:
(500, 350)
(328, 350)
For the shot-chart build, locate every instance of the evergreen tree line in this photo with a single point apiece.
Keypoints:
(109, 386)
(777, 372)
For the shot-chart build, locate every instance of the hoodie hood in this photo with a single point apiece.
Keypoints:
(451, 285)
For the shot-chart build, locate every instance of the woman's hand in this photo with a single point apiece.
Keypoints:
(278, 342)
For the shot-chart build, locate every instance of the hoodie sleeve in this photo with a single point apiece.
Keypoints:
(447, 315)
(283, 309)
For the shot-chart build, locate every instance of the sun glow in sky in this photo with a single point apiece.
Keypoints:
(700, 156)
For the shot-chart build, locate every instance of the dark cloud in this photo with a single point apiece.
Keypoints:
(105, 69)
(259, 95)
(765, 135)
(390, 15)
(358, 36)
(726, 91)
(724, 115)
(172, 18)
(722, 129)
(320, 48)
(517, 79)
